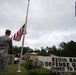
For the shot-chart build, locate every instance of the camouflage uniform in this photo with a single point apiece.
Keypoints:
(5, 44)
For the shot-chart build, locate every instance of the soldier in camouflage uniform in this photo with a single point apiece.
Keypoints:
(5, 44)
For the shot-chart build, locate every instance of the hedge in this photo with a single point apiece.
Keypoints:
(40, 71)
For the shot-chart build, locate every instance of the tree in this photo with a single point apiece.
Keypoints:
(68, 49)
(43, 52)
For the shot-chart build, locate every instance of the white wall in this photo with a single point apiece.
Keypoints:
(66, 64)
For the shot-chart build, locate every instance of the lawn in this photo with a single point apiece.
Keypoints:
(12, 70)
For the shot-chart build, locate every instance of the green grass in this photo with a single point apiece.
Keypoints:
(12, 70)
(40, 71)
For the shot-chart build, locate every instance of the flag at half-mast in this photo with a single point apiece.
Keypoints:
(17, 36)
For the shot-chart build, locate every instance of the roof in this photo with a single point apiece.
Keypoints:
(33, 53)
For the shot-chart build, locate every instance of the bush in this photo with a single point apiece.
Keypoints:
(30, 64)
(73, 73)
(40, 71)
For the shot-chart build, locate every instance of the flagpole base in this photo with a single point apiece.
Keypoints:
(19, 70)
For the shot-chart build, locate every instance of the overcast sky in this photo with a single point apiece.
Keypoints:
(50, 22)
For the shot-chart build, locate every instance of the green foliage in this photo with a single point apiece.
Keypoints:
(40, 71)
(67, 49)
(12, 70)
(17, 50)
(43, 52)
(73, 73)
(30, 64)
(27, 64)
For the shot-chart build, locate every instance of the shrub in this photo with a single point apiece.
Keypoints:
(73, 73)
(40, 71)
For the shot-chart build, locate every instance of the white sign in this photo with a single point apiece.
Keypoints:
(63, 64)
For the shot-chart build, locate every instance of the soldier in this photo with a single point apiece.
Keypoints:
(5, 45)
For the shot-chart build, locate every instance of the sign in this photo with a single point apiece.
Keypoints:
(62, 64)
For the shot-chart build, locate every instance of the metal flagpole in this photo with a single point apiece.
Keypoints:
(19, 68)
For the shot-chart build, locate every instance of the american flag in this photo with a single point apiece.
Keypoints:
(17, 36)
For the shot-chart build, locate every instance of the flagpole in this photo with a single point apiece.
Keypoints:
(19, 68)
